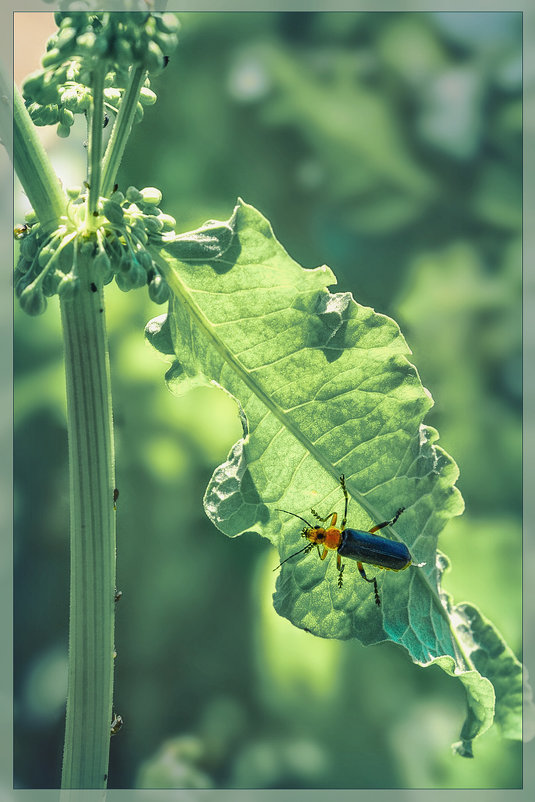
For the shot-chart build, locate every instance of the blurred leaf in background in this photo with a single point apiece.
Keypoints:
(387, 145)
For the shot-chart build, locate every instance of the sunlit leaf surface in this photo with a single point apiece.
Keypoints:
(324, 387)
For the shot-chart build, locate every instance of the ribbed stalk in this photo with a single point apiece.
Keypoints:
(91, 459)
(33, 167)
(94, 146)
(121, 129)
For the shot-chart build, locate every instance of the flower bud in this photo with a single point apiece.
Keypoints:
(32, 84)
(167, 22)
(112, 95)
(28, 247)
(65, 39)
(151, 196)
(154, 60)
(102, 267)
(145, 260)
(134, 195)
(132, 278)
(113, 211)
(168, 221)
(138, 114)
(63, 131)
(141, 234)
(49, 60)
(167, 42)
(66, 117)
(22, 267)
(32, 300)
(147, 97)
(86, 41)
(158, 290)
(22, 280)
(65, 257)
(153, 224)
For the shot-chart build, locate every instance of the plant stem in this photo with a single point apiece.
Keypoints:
(33, 167)
(94, 146)
(91, 466)
(92, 481)
(121, 129)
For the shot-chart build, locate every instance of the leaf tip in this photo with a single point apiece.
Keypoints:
(463, 748)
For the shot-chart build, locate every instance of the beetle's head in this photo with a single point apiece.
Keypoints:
(316, 534)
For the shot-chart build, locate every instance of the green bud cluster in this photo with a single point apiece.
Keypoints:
(120, 40)
(43, 266)
(118, 247)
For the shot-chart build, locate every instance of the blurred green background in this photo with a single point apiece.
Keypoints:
(388, 146)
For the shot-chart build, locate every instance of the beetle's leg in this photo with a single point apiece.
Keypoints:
(318, 516)
(387, 523)
(325, 552)
(340, 567)
(362, 572)
(346, 497)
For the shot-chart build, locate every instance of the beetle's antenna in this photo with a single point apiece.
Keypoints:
(295, 516)
(306, 548)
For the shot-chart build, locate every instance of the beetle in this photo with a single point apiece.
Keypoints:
(357, 544)
(116, 724)
(21, 230)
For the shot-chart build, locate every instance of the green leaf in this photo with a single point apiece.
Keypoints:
(493, 659)
(324, 387)
(208, 242)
